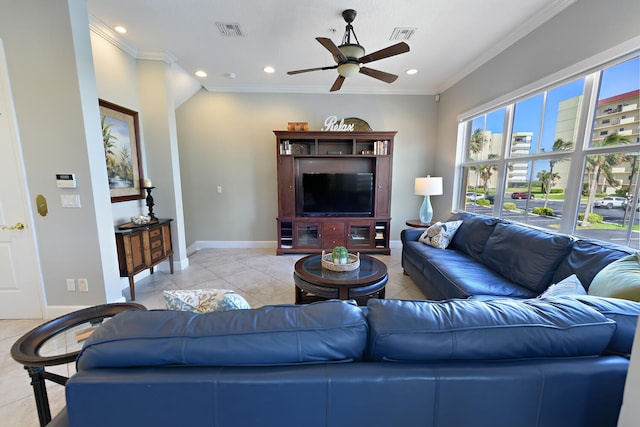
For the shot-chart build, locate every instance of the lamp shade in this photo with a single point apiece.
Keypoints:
(429, 186)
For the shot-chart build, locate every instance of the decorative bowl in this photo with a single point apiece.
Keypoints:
(352, 264)
(140, 219)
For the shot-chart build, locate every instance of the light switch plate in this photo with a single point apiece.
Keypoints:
(70, 200)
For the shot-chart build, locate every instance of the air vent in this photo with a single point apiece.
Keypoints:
(229, 29)
(402, 33)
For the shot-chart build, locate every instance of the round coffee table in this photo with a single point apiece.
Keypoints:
(57, 342)
(314, 283)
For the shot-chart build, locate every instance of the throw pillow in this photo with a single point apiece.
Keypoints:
(568, 286)
(620, 279)
(204, 300)
(439, 235)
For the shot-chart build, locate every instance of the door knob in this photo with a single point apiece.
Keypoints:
(18, 226)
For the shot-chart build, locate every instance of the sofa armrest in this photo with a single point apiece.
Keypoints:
(411, 234)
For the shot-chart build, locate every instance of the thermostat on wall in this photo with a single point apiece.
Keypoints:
(66, 180)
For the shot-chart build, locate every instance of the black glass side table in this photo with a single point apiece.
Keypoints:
(58, 342)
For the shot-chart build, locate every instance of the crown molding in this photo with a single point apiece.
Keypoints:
(312, 89)
(104, 31)
(157, 55)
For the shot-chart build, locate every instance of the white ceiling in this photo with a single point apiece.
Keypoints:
(451, 39)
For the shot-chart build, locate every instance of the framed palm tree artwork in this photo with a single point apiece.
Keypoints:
(121, 142)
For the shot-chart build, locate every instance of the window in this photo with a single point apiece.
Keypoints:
(550, 159)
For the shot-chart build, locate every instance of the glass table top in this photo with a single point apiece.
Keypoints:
(369, 267)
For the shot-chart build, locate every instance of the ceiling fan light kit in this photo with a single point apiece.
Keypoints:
(348, 69)
(350, 56)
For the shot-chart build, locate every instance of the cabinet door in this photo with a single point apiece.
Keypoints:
(133, 247)
(286, 186)
(383, 186)
(332, 235)
(166, 239)
(307, 235)
(360, 235)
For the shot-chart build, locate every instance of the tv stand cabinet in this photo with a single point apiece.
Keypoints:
(333, 152)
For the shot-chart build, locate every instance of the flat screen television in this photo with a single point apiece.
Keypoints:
(337, 194)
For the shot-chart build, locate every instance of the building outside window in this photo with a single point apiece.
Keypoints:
(551, 157)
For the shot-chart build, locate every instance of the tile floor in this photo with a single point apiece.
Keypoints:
(257, 274)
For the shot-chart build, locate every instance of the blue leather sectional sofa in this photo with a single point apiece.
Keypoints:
(490, 257)
(506, 362)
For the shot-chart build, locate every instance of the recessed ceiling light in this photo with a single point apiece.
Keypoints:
(412, 71)
(201, 73)
(120, 29)
(269, 69)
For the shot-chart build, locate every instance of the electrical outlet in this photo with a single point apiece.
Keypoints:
(83, 285)
(71, 285)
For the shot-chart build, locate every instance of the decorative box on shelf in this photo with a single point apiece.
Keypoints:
(298, 126)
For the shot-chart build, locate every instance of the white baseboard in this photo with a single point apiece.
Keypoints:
(217, 244)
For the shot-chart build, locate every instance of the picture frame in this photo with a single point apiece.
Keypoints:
(121, 143)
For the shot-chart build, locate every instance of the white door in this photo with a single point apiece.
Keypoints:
(21, 295)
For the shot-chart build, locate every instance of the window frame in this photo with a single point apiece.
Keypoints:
(581, 150)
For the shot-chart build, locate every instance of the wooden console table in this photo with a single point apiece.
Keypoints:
(143, 247)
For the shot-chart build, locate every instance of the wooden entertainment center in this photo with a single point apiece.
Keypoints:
(300, 153)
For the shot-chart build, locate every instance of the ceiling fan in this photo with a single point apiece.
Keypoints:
(349, 56)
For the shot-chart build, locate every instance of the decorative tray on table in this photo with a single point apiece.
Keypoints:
(138, 221)
(352, 264)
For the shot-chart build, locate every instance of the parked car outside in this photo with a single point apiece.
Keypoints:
(475, 196)
(522, 195)
(610, 202)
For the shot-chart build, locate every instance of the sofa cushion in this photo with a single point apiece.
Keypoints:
(439, 235)
(320, 332)
(568, 286)
(587, 258)
(525, 255)
(625, 313)
(620, 279)
(473, 233)
(459, 277)
(497, 329)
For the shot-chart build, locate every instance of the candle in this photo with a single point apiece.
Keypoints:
(147, 183)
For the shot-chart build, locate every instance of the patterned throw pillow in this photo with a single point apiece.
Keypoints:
(204, 300)
(439, 235)
(567, 286)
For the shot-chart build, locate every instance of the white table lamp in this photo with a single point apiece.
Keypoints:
(429, 186)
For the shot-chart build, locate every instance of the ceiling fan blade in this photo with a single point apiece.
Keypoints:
(337, 84)
(396, 49)
(331, 47)
(377, 74)
(331, 67)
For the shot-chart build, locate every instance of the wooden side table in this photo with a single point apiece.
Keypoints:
(415, 223)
